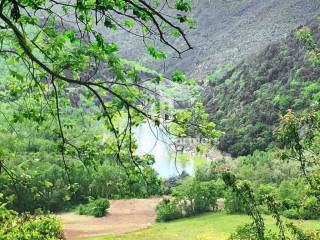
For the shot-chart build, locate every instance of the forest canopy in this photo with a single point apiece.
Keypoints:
(70, 103)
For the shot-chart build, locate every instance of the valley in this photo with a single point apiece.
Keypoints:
(151, 120)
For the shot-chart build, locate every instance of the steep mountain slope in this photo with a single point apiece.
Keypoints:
(248, 99)
(226, 31)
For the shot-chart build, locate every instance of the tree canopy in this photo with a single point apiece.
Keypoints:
(59, 66)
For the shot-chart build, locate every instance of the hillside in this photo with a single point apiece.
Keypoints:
(226, 31)
(247, 100)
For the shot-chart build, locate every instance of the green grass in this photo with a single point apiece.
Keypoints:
(212, 226)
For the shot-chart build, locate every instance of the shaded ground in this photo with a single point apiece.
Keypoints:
(124, 216)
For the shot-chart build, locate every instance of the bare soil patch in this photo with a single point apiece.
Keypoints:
(124, 216)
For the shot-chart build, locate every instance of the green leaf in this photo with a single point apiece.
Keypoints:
(178, 76)
(155, 53)
(184, 6)
(129, 23)
(47, 184)
(10, 60)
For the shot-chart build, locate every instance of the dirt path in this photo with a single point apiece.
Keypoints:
(124, 216)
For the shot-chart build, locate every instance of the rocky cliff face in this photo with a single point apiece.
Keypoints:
(247, 100)
(227, 31)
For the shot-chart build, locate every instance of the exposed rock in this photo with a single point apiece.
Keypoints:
(227, 31)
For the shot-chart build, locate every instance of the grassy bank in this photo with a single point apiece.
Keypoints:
(212, 226)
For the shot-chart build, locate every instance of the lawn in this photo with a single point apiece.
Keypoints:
(212, 226)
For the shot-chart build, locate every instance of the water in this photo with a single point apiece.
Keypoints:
(153, 141)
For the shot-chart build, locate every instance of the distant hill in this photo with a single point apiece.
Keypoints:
(226, 31)
(247, 100)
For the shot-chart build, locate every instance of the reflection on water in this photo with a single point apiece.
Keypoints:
(153, 141)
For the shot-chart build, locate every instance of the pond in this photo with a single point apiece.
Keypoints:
(153, 141)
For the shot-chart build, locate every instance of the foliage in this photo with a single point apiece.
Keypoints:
(299, 234)
(247, 231)
(196, 197)
(300, 137)
(272, 176)
(291, 192)
(50, 189)
(97, 207)
(33, 175)
(257, 230)
(168, 210)
(264, 167)
(246, 100)
(202, 128)
(28, 227)
(190, 197)
(310, 208)
(234, 204)
(210, 171)
(243, 189)
(291, 213)
(304, 34)
(112, 182)
(70, 103)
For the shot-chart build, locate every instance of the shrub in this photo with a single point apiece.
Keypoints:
(248, 232)
(291, 192)
(299, 234)
(198, 197)
(310, 208)
(112, 182)
(234, 203)
(191, 197)
(209, 171)
(289, 204)
(291, 214)
(97, 208)
(168, 210)
(28, 227)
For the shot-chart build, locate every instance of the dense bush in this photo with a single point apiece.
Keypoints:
(37, 176)
(112, 182)
(28, 227)
(197, 197)
(210, 171)
(310, 208)
(264, 167)
(291, 213)
(299, 234)
(234, 203)
(168, 210)
(291, 192)
(189, 198)
(44, 184)
(246, 231)
(271, 176)
(297, 201)
(97, 208)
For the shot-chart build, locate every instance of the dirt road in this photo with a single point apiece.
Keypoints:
(124, 216)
